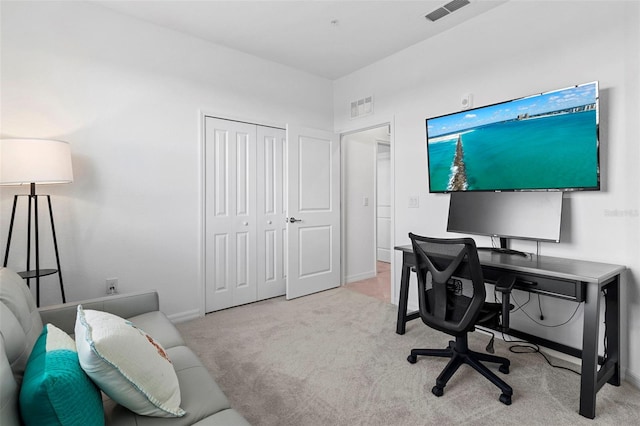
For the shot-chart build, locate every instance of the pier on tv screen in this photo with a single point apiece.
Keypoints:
(548, 141)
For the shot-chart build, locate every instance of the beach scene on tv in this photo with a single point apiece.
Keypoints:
(547, 141)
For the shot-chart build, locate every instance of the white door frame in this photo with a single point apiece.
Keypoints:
(390, 121)
(377, 143)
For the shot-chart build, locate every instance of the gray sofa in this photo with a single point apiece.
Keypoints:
(21, 323)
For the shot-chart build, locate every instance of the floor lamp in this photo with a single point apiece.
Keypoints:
(34, 161)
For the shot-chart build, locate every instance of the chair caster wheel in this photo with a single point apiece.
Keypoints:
(504, 369)
(437, 391)
(505, 399)
(412, 359)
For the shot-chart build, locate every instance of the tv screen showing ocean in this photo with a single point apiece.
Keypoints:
(550, 151)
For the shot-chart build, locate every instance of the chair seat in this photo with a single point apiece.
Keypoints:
(489, 315)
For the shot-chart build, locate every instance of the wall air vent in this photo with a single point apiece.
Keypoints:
(362, 107)
(448, 8)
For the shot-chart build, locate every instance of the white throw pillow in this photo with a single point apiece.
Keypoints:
(127, 364)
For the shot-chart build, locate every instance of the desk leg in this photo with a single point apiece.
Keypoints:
(592, 378)
(612, 331)
(590, 341)
(404, 299)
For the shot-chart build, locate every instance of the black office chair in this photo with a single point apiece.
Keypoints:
(448, 306)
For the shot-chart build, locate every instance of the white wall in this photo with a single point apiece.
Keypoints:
(518, 49)
(127, 95)
(358, 182)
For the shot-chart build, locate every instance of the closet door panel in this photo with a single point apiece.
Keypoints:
(230, 214)
(271, 214)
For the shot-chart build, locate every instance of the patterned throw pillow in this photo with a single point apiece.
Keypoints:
(55, 390)
(127, 364)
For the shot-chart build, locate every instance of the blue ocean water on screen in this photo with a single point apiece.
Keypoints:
(553, 151)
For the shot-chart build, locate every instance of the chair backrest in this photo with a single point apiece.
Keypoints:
(441, 258)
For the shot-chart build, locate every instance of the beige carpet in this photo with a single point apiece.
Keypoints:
(334, 358)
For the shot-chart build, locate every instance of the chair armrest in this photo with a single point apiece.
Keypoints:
(127, 305)
(505, 283)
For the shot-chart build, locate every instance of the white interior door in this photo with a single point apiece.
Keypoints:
(313, 210)
(230, 187)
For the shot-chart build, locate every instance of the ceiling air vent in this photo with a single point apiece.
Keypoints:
(448, 8)
(455, 5)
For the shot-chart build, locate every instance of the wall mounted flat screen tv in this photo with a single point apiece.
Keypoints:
(544, 142)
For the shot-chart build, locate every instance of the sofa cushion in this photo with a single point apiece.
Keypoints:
(228, 417)
(9, 413)
(202, 394)
(202, 399)
(19, 321)
(127, 364)
(156, 324)
(55, 390)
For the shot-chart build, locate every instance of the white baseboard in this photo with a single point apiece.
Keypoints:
(184, 316)
(384, 255)
(632, 378)
(625, 374)
(560, 355)
(360, 277)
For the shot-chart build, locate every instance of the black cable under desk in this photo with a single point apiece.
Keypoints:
(570, 279)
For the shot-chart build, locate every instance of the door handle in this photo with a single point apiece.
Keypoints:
(294, 220)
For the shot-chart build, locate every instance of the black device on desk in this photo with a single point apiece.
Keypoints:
(578, 280)
(522, 215)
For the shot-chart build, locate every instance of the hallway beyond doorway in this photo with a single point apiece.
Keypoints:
(378, 286)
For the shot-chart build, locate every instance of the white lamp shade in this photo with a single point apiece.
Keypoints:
(25, 161)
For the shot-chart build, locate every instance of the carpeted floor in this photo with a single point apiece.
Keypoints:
(333, 358)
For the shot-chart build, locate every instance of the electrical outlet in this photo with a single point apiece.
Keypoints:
(112, 285)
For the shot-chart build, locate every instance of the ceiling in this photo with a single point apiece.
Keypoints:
(326, 38)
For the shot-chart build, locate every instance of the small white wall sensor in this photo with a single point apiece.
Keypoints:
(466, 101)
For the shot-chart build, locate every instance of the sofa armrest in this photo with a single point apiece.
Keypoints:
(127, 305)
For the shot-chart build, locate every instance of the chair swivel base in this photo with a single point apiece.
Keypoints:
(460, 354)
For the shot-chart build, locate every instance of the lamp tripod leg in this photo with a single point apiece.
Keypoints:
(33, 226)
(55, 246)
(13, 216)
(37, 243)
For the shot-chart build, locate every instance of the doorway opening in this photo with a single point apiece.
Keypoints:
(367, 208)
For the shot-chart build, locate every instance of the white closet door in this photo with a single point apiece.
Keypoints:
(230, 180)
(271, 231)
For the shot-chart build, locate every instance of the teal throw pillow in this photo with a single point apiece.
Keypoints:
(55, 390)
